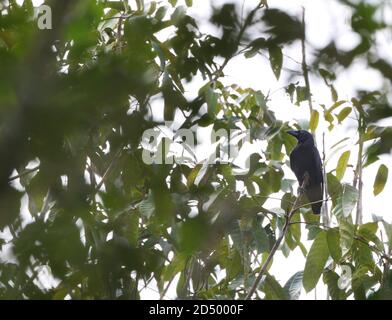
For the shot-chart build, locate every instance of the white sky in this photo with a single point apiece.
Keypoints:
(326, 20)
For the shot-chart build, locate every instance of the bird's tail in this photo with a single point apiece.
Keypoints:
(316, 207)
(315, 197)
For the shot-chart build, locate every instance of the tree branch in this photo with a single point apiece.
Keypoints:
(326, 218)
(24, 173)
(266, 264)
(304, 63)
(358, 172)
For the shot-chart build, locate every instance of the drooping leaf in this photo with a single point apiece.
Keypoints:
(147, 206)
(333, 239)
(273, 290)
(388, 230)
(346, 201)
(342, 164)
(212, 101)
(344, 114)
(314, 120)
(315, 261)
(331, 279)
(380, 180)
(293, 286)
(276, 59)
(346, 232)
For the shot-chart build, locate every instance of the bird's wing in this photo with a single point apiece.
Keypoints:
(318, 167)
(295, 164)
(315, 195)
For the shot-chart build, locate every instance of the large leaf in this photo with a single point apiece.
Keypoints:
(331, 279)
(388, 230)
(315, 261)
(273, 290)
(333, 239)
(346, 232)
(381, 179)
(293, 286)
(334, 188)
(346, 202)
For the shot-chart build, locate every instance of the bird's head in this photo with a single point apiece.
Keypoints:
(301, 135)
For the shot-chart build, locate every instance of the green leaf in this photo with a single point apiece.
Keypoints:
(147, 207)
(333, 239)
(344, 114)
(337, 104)
(193, 174)
(173, 2)
(161, 12)
(334, 94)
(346, 232)
(342, 164)
(388, 230)
(302, 94)
(293, 286)
(261, 240)
(178, 15)
(189, 3)
(380, 180)
(212, 101)
(334, 188)
(363, 255)
(314, 120)
(368, 232)
(315, 261)
(276, 59)
(327, 76)
(176, 265)
(339, 142)
(346, 202)
(331, 279)
(273, 290)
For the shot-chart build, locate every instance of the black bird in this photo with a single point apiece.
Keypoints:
(306, 163)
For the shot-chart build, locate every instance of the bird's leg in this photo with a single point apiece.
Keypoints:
(305, 182)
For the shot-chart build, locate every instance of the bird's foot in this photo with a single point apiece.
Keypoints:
(306, 180)
(301, 190)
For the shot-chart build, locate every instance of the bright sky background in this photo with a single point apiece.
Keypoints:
(326, 20)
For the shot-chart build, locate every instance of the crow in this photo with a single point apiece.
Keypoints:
(306, 164)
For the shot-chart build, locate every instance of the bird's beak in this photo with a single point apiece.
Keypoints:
(293, 133)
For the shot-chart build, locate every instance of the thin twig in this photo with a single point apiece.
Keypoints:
(266, 264)
(162, 295)
(109, 169)
(304, 63)
(326, 217)
(247, 23)
(24, 173)
(359, 169)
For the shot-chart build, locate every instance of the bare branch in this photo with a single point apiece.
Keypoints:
(304, 63)
(266, 264)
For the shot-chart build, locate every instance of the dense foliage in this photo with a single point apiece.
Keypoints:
(84, 217)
